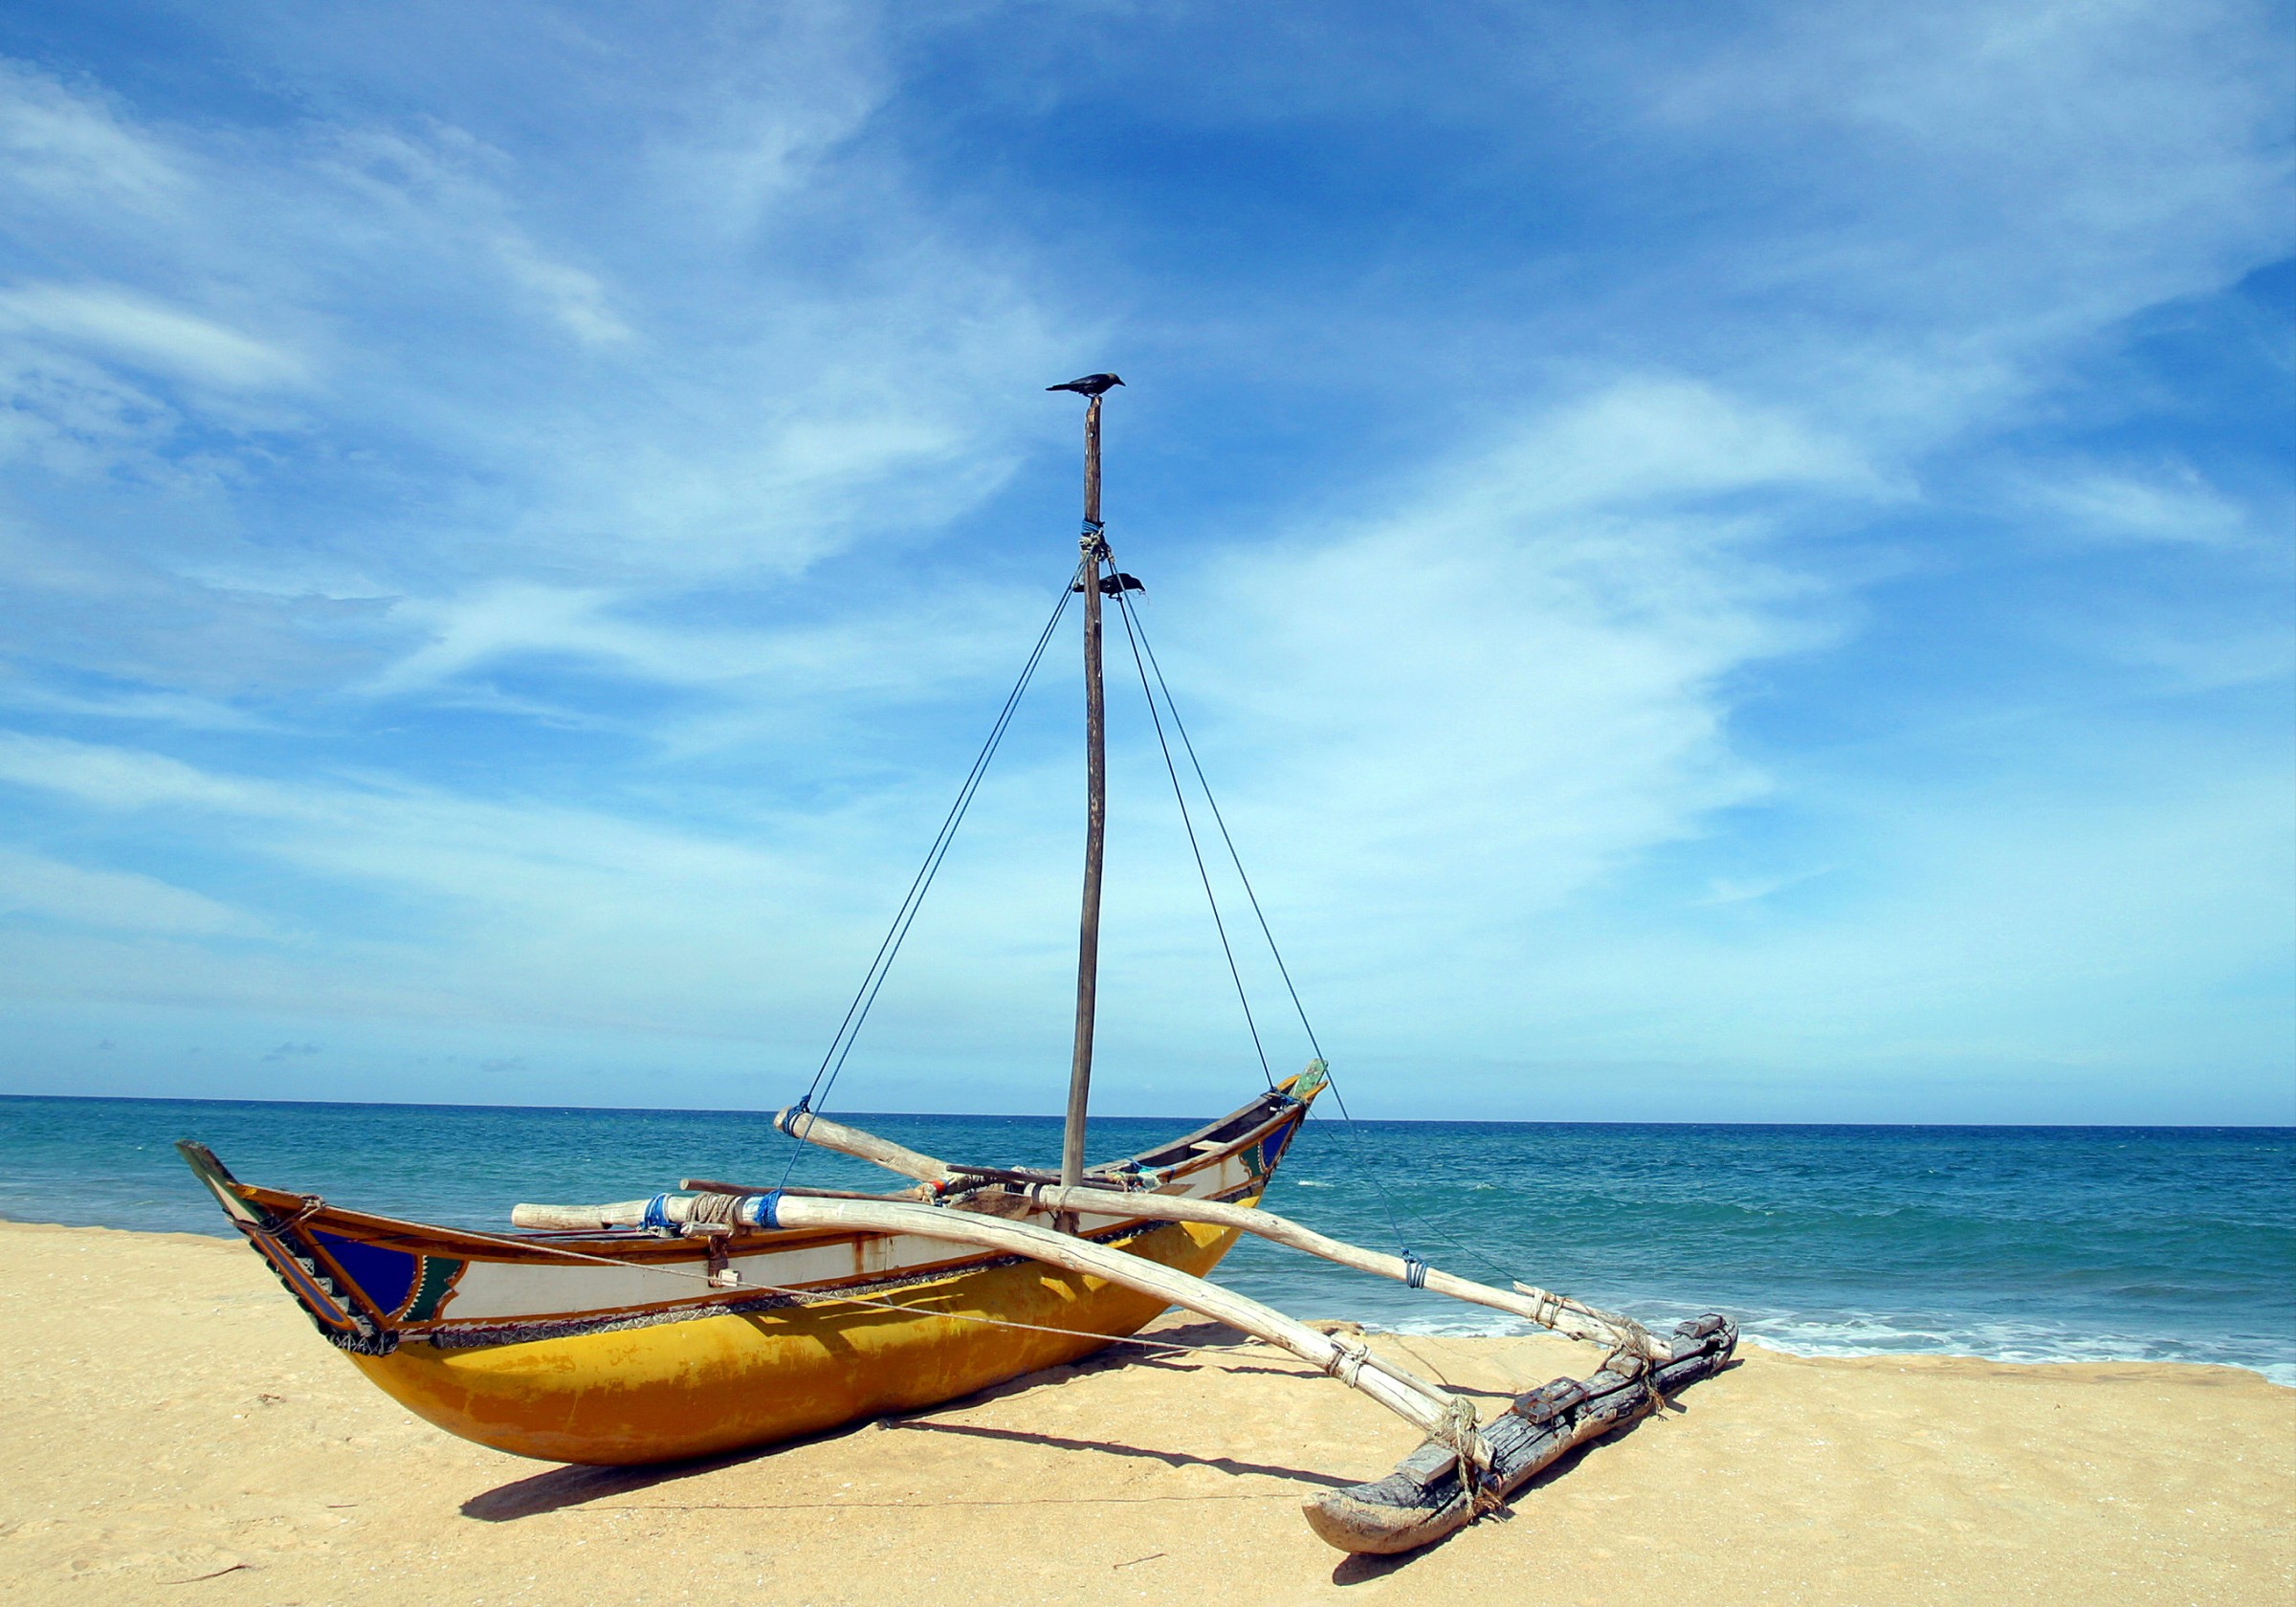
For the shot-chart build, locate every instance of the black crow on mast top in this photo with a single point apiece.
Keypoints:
(1091, 384)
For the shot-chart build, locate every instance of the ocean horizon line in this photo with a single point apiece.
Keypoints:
(1054, 1117)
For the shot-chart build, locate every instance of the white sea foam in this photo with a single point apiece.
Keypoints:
(1847, 1333)
(1491, 1325)
(1854, 1333)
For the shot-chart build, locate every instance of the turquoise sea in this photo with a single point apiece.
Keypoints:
(2021, 1244)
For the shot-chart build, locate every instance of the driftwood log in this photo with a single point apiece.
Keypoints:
(1429, 1495)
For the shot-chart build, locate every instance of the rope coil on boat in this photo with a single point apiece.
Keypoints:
(1414, 1271)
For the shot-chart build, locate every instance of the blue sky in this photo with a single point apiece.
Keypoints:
(1729, 562)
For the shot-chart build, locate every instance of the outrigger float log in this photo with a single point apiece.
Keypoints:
(721, 1316)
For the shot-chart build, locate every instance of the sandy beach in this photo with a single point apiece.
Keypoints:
(173, 1431)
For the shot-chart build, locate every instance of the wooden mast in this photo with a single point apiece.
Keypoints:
(1095, 816)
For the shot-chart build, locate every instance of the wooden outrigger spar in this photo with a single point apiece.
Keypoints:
(721, 1316)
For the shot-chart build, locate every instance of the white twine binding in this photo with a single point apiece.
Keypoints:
(1347, 1356)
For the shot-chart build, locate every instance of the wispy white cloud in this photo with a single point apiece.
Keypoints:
(1519, 677)
(917, 646)
(2173, 503)
(124, 778)
(1978, 191)
(1737, 889)
(78, 419)
(514, 901)
(148, 334)
(671, 402)
(35, 885)
(749, 410)
(70, 146)
(155, 708)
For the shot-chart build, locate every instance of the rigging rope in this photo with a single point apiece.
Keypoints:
(1236, 859)
(1355, 1138)
(1221, 821)
(873, 980)
(1179, 796)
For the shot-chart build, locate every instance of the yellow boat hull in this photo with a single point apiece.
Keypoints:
(630, 1344)
(669, 1390)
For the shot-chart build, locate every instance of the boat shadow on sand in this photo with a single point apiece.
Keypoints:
(560, 1488)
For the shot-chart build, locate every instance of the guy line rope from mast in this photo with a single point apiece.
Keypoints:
(1136, 632)
(1132, 635)
(864, 999)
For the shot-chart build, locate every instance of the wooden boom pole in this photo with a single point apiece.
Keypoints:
(1095, 816)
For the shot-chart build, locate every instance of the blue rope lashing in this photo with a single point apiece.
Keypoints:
(1414, 1271)
(657, 1217)
(765, 1210)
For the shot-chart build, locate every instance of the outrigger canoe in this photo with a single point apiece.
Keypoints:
(720, 1317)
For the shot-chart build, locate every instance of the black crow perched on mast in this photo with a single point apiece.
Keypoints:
(1091, 384)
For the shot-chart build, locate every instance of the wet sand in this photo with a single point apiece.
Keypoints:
(171, 1430)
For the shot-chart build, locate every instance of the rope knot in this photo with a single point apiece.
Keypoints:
(1631, 1341)
(1463, 1434)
